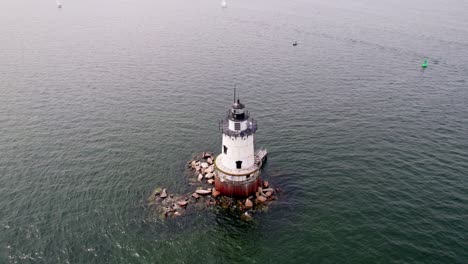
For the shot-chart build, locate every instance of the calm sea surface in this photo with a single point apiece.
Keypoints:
(101, 101)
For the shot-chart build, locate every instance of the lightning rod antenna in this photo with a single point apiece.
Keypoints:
(235, 93)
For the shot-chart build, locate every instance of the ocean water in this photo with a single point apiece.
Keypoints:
(102, 101)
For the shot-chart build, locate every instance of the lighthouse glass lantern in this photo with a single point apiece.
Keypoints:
(237, 170)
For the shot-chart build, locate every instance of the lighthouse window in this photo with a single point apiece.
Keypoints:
(238, 164)
(237, 126)
(224, 149)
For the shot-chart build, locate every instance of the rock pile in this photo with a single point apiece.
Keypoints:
(203, 167)
(202, 174)
(167, 205)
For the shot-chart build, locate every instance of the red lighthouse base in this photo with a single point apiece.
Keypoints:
(237, 189)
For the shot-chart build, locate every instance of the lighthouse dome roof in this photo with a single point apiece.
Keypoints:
(238, 105)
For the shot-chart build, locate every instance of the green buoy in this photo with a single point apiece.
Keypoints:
(424, 65)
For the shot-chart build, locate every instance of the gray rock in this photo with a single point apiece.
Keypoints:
(182, 203)
(154, 194)
(209, 175)
(195, 195)
(261, 199)
(209, 161)
(200, 177)
(246, 217)
(210, 169)
(203, 192)
(163, 193)
(215, 193)
(248, 204)
(204, 165)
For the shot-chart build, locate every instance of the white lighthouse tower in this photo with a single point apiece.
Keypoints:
(237, 167)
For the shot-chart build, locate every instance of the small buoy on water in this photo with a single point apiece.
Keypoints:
(295, 43)
(424, 65)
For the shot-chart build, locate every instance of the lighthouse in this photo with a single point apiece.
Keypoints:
(237, 168)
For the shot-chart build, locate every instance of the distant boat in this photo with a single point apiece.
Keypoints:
(223, 4)
(59, 5)
(295, 43)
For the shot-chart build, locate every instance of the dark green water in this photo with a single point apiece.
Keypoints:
(102, 101)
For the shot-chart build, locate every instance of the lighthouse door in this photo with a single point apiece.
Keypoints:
(238, 164)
